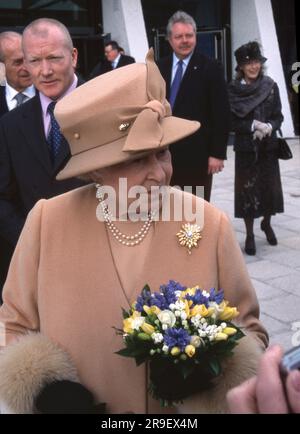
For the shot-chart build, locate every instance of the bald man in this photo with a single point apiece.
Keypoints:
(27, 159)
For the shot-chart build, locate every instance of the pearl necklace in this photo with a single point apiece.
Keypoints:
(125, 240)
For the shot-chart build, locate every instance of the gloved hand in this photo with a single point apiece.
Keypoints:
(264, 128)
(258, 135)
(66, 397)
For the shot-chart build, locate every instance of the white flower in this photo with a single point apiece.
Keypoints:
(195, 341)
(205, 294)
(138, 322)
(167, 317)
(165, 349)
(183, 315)
(157, 337)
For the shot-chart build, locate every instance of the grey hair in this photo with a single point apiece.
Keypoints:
(41, 28)
(7, 36)
(180, 17)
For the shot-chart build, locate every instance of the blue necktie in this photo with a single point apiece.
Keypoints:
(20, 98)
(55, 137)
(176, 83)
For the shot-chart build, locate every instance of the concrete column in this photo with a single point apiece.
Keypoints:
(254, 20)
(124, 20)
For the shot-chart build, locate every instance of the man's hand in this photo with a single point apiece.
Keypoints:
(215, 165)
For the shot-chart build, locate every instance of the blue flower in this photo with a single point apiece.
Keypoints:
(143, 299)
(217, 296)
(177, 338)
(198, 298)
(167, 295)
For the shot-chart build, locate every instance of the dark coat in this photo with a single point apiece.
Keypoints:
(271, 113)
(26, 171)
(203, 97)
(105, 66)
(6, 249)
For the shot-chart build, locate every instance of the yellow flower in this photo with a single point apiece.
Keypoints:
(133, 322)
(190, 350)
(221, 337)
(229, 331)
(151, 310)
(228, 313)
(175, 351)
(187, 308)
(201, 309)
(190, 291)
(147, 328)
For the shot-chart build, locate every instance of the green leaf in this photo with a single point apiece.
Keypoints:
(186, 369)
(215, 366)
(125, 313)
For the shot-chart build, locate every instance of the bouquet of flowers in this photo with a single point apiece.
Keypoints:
(183, 333)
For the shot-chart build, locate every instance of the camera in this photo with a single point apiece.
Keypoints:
(290, 360)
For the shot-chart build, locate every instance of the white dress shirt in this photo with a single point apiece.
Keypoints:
(10, 94)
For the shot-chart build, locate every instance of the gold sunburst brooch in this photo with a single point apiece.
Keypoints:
(189, 236)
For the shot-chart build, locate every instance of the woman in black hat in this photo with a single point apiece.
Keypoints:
(256, 116)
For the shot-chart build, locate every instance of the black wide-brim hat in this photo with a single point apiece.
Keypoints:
(248, 52)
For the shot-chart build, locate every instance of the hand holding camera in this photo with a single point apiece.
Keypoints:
(275, 389)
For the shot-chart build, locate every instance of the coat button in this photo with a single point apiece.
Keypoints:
(77, 136)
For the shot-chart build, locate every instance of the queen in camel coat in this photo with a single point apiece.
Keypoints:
(71, 272)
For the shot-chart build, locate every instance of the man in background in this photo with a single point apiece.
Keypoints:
(32, 149)
(113, 59)
(196, 90)
(16, 89)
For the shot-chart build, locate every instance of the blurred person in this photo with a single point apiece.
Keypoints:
(113, 59)
(32, 149)
(197, 90)
(62, 300)
(267, 393)
(2, 74)
(256, 116)
(17, 88)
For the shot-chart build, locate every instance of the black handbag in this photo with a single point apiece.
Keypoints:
(284, 151)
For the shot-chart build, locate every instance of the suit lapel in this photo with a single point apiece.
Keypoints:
(193, 72)
(166, 70)
(32, 127)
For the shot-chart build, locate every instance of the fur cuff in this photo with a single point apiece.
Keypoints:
(236, 369)
(26, 366)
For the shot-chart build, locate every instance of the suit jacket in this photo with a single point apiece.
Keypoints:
(71, 277)
(26, 171)
(3, 103)
(202, 96)
(6, 249)
(105, 66)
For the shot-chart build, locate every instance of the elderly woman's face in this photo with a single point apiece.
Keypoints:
(251, 70)
(153, 170)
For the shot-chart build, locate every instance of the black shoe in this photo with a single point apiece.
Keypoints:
(271, 237)
(250, 247)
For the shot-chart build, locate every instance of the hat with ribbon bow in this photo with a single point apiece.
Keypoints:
(118, 116)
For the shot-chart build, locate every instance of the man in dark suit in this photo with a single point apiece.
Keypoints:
(196, 90)
(113, 59)
(29, 155)
(16, 90)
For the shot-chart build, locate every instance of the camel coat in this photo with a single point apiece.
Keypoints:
(68, 280)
